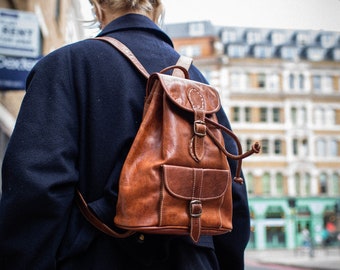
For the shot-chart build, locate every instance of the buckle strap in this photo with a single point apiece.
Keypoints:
(196, 207)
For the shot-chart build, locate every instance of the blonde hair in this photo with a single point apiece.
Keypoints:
(152, 8)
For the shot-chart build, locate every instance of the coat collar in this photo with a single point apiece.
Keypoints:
(134, 22)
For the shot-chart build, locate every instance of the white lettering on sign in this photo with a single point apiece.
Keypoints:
(20, 64)
(19, 33)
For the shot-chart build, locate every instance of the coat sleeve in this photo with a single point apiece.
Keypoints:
(230, 247)
(39, 169)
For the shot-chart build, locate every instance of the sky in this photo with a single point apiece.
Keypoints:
(285, 14)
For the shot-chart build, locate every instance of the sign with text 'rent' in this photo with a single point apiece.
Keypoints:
(19, 33)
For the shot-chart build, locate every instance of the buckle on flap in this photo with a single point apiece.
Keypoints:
(200, 128)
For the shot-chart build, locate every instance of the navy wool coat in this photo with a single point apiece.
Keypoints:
(82, 108)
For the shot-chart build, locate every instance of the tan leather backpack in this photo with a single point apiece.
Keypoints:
(176, 178)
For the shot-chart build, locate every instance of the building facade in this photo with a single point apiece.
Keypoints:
(281, 88)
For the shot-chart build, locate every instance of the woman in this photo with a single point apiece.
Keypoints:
(82, 109)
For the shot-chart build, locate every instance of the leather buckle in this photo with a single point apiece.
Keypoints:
(198, 126)
(195, 208)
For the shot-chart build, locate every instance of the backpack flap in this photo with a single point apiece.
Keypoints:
(198, 98)
(190, 95)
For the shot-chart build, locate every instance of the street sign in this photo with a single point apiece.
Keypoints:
(14, 71)
(19, 33)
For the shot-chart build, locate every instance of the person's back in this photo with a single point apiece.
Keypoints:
(82, 110)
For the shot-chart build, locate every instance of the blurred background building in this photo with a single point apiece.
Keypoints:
(279, 87)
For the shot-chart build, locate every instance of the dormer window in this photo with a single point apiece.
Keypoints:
(263, 51)
(253, 37)
(289, 53)
(278, 38)
(303, 38)
(196, 29)
(228, 36)
(336, 54)
(315, 54)
(237, 50)
(327, 40)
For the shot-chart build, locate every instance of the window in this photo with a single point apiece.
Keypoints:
(265, 146)
(333, 151)
(275, 212)
(303, 116)
(321, 148)
(328, 40)
(293, 115)
(235, 80)
(327, 84)
(306, 184)
(191, 50)
(277, 147)
(263, 51)
(289, 53)
(261, 80)
(253, 37)
(276, 115)
(247, 111)
(250, 183)
(331, 116)
(301, 82)
(266, 184)
(319, 116)
(323, 183)
(279, 184)
(196, 29)
(236, 114)
(317, 83)
(274, 82)
(304, 149)
(228, 36)
(303, 38)
(315, 54)
(278, 38)
(335, 184)
(291, 81)
(295, 147)
(237, 50)
(297, 180)
(336, 54)
(263, 115)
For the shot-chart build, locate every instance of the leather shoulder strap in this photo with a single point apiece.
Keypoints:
(183, 61)
(127, 52)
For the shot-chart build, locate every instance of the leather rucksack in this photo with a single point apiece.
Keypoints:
(176, 178)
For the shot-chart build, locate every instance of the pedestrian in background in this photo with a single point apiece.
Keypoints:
(82, 109)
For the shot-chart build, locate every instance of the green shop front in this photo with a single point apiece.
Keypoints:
(280, 222)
